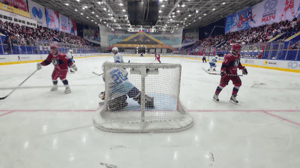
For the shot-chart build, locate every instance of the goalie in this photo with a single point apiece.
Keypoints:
(120, 88)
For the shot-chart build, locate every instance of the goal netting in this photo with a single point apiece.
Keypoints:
(160, 82)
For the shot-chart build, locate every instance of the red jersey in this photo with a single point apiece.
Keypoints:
(60, 61)
(157, 56)
(231, 63)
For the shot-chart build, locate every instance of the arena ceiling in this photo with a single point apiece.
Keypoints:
(172, 13)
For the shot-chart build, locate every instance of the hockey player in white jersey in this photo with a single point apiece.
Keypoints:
(120, 88)
(71, 59)
(117, 56)
(212, 63)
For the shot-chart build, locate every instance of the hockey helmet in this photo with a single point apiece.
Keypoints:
(236, 47)
(71, 51)
(52, 46)
(115, 49)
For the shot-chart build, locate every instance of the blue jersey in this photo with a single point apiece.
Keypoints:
(118, 82)
(118, 58)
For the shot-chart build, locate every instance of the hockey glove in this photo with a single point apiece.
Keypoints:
(74, 67)
(39, 66)
(222, 73)
(245, 72)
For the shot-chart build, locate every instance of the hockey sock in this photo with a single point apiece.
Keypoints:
(218, 90)
(235, 90)
(65, 82)
(55, 82)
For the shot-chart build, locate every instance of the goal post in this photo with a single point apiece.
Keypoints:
(159, 83)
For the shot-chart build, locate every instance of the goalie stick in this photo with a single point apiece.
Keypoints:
(2, 98)
(217, 73)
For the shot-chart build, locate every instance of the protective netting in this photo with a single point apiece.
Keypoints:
(158, 85)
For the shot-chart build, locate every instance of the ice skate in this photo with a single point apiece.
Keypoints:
(214, 69)
(216, 98)
(54, 88)
(68, 90)
(233, 99)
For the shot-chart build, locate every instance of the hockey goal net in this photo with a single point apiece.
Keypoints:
(160, 82)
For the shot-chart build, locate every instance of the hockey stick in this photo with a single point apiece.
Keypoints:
(2, 98)
(97, 74)
(215, 73)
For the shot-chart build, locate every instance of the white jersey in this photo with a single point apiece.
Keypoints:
(117, 82)
(118, 58)
(69, 55)
(213, 60)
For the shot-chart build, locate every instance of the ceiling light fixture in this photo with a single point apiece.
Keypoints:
(121, 4)
(224, 3)
(81, 13)
(76, 10)
(204, 14)
(93, 12)
(67, 4)
(199, 17)
(78, 0)
(183, 5)
(185, 18)
(214, 9)
(87, 17)
(162, 6)
(97, 16)
(178, 11)
(197, 11)
(124, 10)
(190, 15)
(160, 11)
(161, 0)
(104, 9)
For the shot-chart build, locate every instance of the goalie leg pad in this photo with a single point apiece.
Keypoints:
(117, 103)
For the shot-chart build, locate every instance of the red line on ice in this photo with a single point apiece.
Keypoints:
(6, 113)
(284, 119)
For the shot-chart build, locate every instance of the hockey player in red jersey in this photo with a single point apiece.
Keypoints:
(61, 63)
(228, 73)
(157, 57)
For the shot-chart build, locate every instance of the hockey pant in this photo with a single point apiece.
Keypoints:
(225, 80)
(212, 65)
(120, 102)
(59, 73)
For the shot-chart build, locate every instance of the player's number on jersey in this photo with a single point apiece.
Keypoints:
(236, 63)
(54, 62)
(118, 77)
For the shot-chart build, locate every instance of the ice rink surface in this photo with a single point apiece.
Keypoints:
(39, 128)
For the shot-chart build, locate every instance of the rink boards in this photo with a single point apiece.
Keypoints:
(281, 65)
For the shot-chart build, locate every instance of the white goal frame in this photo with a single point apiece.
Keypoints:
(173, 121)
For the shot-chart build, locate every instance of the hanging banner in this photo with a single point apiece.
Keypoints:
(266, 12)
(72, 27)
(14, 10)
(18, 4)
(63, 23)
(37, 12)
(52, 19)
